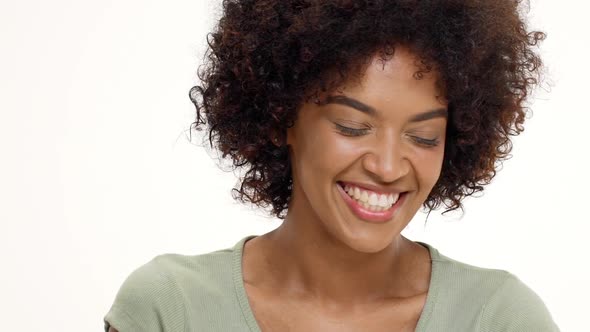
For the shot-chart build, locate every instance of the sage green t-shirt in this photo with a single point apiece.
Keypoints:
(178, 293)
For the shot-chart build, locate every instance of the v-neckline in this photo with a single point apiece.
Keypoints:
(242, 296)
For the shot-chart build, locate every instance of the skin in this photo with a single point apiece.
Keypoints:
(324, 269)
(338, 272)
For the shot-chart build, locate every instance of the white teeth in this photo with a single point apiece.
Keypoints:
(373, 199)
(383, 200)
(392, 198)
(364, 196)
(370, 200)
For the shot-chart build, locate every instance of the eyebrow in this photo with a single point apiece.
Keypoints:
(347, 101)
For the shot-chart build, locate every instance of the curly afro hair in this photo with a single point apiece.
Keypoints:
(267, 57)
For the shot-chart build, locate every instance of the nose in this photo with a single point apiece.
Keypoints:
(387, 159)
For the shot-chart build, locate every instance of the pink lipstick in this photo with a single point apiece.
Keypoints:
(370, 216)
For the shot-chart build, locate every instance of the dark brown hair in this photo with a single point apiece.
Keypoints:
(267, 57)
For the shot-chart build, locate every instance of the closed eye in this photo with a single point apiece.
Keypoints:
(351, 131)
(428, 143)
(354, 132)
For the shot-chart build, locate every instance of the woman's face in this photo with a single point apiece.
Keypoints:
(382, 136)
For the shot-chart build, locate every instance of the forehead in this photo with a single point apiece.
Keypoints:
(394, 80)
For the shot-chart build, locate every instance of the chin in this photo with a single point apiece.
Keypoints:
(369, 242)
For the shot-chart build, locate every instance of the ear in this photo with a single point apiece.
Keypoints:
(276, 138)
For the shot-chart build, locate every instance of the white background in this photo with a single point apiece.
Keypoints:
(97, 174)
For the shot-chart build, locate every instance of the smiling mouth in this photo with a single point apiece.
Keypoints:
(370, 200)
(370, 206)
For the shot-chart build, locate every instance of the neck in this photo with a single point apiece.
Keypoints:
(305, 262)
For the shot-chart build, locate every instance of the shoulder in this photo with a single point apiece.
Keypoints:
(514, 306)
(157, 295)
(496, 299)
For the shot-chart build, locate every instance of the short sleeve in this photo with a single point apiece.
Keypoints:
(514, 307)
(148, 300)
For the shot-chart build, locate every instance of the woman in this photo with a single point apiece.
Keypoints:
(348, 117)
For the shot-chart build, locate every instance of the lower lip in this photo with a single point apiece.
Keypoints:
(367, 215)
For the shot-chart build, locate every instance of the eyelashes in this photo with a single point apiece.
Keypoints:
(426, 142)
(356, 132)
(351, 131)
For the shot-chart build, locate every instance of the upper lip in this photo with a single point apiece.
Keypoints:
(372, 187)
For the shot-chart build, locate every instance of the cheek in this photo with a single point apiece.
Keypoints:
(340, 150)
(428, 165)
(325, 155)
